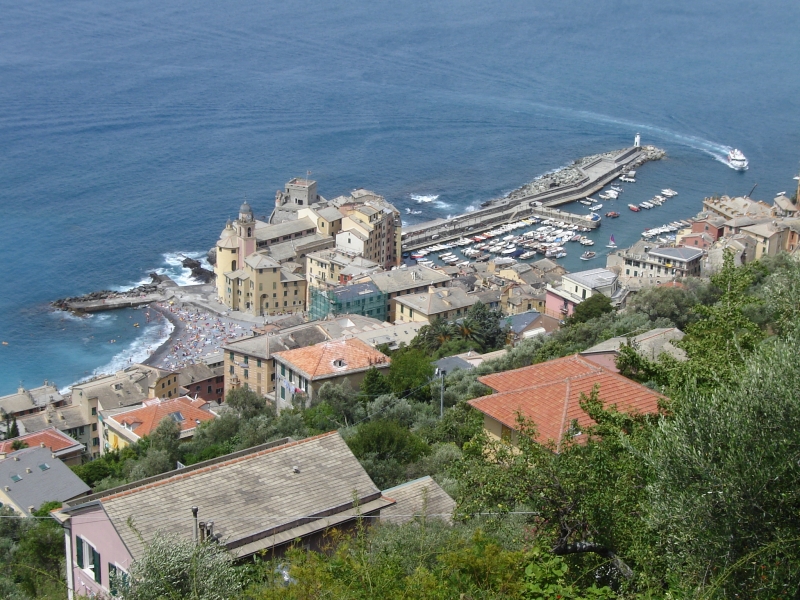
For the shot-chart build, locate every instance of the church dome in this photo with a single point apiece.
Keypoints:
(245, 209)
(229, 231)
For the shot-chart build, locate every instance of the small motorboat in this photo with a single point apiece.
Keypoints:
(588, 255)
(612, 214)
(633, 207)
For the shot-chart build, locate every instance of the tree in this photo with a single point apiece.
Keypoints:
(490, 329)
(343, 403)
(723, 501)
(248, 403)
(659, 301)
(717, 343)
(433, 336)
(583, 500)
(14, 430)
(409, 374)
(176, 568)
(166, 437)
(374, 384)
(594, 306)
(384, 449)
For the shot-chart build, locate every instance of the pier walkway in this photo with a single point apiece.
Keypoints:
(590, 178)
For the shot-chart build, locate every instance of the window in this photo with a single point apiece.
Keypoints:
(231, 370)
(283, 371)
(87, 557)
(283, 393)
(94, 410)
(246, 360)
(232, 355)
(116, 576)
(209, 389)
(16, 478)
(44, 466)
(96, 441)
(176, 416)
(246, 374)
(94, 426)
(258, 362)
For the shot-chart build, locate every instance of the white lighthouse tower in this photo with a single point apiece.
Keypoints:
(637, 141)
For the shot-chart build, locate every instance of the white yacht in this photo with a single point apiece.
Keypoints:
(737, 160)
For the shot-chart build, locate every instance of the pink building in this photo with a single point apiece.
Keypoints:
(260, 499)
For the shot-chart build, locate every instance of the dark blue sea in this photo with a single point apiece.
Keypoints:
(129, 132)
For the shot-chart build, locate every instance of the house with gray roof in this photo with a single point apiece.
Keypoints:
(444, 303)
(574, 288)
(656, 263)
(651, 345)
(32, 476)
(257, 501)
(419, 499)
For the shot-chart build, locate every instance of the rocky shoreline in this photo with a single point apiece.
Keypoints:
(137, 292)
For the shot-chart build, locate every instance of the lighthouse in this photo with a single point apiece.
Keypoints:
(637, 141)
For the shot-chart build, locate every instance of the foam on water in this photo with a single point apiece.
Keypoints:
(173, 268)
(137, 351)
(419, 199)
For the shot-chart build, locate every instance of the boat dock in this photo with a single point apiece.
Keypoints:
(538, 198)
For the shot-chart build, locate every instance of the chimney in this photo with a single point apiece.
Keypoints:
(194, 515)
(202, 525)
(28, 470)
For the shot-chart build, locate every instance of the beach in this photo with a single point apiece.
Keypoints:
(196, 334)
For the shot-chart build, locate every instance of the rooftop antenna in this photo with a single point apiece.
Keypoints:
(751, 191)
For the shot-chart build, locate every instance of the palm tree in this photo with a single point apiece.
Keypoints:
(470, 330)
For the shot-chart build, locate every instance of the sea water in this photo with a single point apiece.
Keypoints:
(130, 133)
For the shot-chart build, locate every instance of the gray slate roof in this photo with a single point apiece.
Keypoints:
(680, 253)
(405, 279)
(57, 482)
(519, 323)
(451, 363)
(651, 343)
(421, 497)
(255, 497)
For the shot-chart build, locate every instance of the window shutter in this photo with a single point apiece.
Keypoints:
(79, 550)
(96, 562)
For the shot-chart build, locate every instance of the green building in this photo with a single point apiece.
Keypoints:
(357, 299)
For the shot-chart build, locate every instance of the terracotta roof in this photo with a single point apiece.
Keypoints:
(334, 357)
(549, 394)
(142, 421)
(52, 438)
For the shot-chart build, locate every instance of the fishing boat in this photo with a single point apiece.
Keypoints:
(585, 202)
(528, 254)
(669, 193)
(612, 214)
(627, 179)
(588, 255)
(633, 207)
(596, 207)
(646, 205)
(611, 243)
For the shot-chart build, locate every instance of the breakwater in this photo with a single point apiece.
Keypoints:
(541, 197)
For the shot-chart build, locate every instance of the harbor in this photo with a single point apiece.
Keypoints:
(539, 199)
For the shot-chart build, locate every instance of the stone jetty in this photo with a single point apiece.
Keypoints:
(537, 198)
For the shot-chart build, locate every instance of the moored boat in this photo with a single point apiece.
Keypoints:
(588, 255)
(633, 207)
(612, 214)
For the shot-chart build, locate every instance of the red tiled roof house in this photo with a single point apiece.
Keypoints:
(549, 395)
(305, 370)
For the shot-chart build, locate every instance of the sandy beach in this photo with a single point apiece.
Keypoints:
(197, 333)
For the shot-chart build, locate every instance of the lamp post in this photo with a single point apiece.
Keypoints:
(441, 373)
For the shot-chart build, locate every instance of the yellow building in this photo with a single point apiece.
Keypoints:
(124, 388)
(444, 303)
(375, 224)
